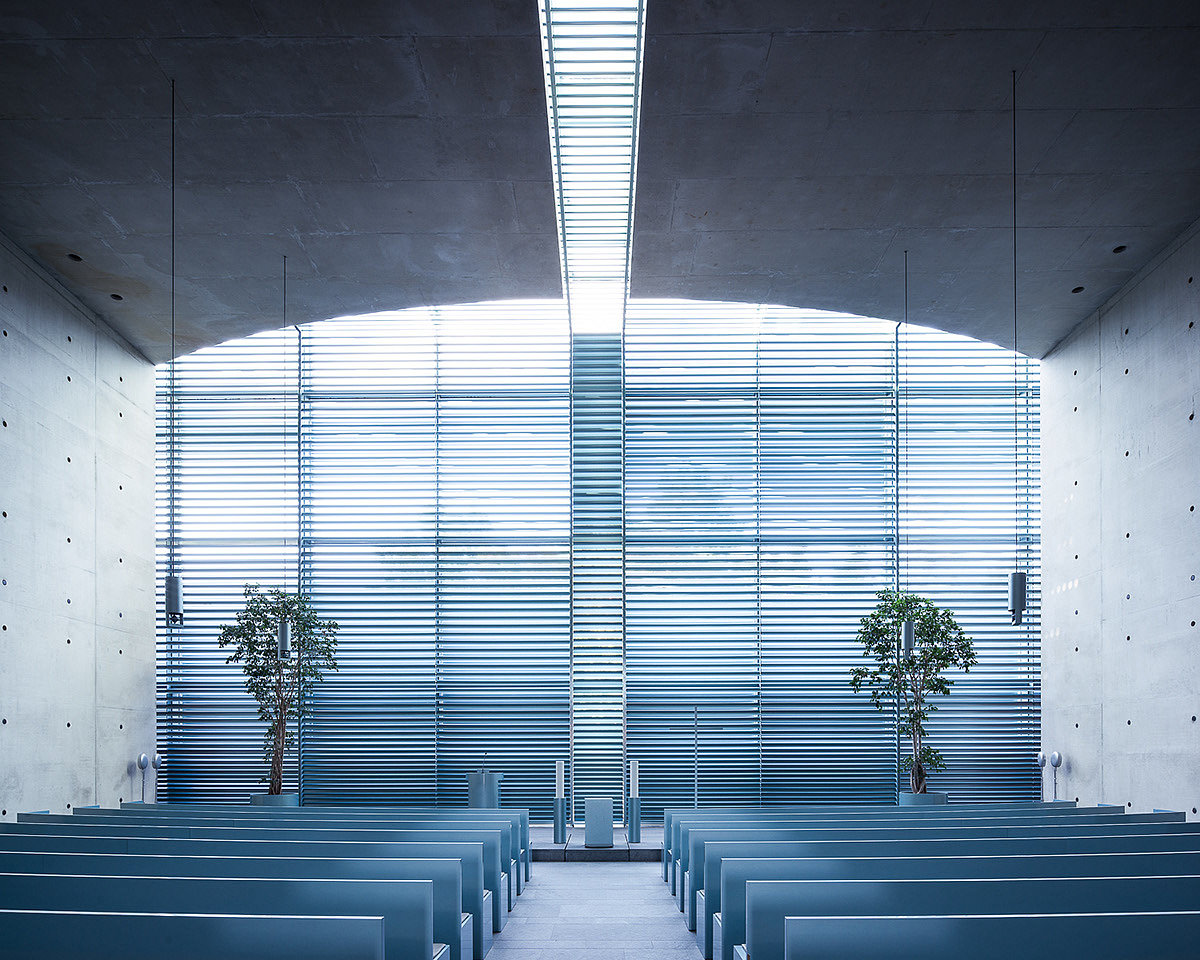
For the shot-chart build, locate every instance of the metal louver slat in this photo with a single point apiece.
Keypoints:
(435, 521)
(654, 547)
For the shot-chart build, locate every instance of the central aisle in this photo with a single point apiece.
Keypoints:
(595, 911)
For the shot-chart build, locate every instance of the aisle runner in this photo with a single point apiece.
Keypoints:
(596, 911)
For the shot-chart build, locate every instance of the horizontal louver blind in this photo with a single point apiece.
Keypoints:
(434, 512)
(961, 513)
(762, 446)
(748, 454)
(235, 524)
(827, 524)
(691, 580)
(597, 572)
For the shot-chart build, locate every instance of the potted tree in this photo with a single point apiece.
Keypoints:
(910, 677)
(281, 684)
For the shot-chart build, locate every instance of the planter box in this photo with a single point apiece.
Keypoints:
(275, 799)
(922, 799)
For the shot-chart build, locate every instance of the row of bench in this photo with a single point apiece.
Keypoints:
(1038, 879)
(152, 880)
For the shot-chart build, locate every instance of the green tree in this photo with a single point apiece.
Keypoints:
(281, 685)
(910, 680)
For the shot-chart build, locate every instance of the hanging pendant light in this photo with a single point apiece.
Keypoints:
(173, 589)
(284, 636)
(1016, 579)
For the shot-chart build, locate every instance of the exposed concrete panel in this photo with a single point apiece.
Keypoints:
(791, 154)
(77, 686)
(397, 154)
(1120, 528)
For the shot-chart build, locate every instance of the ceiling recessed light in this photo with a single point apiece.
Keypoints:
(76, 257)
(117, 296)
(1076, 290)
(1119, 248)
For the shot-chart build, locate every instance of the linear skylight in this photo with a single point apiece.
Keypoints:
(592, 56)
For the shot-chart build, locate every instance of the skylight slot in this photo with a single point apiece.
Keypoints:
(592, 57)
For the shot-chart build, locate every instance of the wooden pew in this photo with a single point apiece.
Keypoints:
(518, 817)
(406, 906)
(670, 850)
(79, 935)
(768, 902)
(371, 829)
(354, 860)
(1097, 936)
(941, 816)
(369, 842)
(728, 926)
(508, 833)
(450, 924)
(692, 873)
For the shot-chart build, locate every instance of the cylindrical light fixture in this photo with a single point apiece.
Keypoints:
(908, 632)
(1016, 596)
(284, 638)
(174, 599)
(633, 810)
(560, 801)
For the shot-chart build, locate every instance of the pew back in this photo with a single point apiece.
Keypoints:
(42, 853)
(319, 842)
(671, 815)
(406, 906)
(519, 814)
(693, 875)
(517, 818)
(80, 935)
(736, 871)
(768, 902)
(1110, 936)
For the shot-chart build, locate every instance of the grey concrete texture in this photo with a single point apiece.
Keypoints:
(77, 568)
(790, 153)
(1121, 570)
(595, 911)
(397, 154)
(648, 849)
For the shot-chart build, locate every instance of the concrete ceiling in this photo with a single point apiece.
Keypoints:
(397, 153)
(790, 152)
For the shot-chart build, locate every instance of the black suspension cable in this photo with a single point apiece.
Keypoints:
(1016, 467)
(171, 462)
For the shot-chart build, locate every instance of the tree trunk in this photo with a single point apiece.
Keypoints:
(276, 785)
(916, 776)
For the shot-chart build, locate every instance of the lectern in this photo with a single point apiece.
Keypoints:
(483, 789)
(598, 822)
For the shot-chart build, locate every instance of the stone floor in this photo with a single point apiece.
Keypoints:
(595, 911)
(649, 847)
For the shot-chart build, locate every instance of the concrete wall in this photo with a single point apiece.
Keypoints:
(76, 550)
(1121, 544)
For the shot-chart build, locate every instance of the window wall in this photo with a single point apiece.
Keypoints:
(543, 548)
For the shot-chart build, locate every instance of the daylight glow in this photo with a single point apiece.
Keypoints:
(592, 57)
